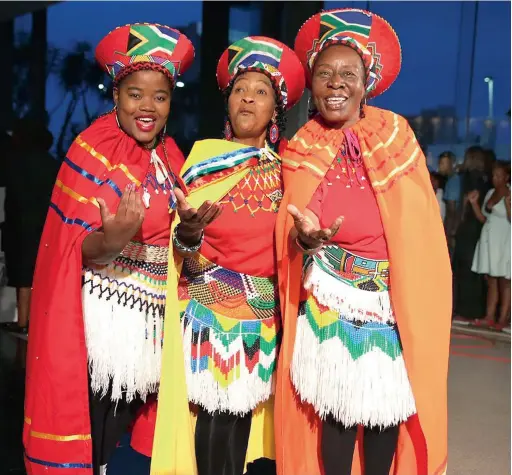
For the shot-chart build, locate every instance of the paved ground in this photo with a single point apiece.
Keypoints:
(479, 409)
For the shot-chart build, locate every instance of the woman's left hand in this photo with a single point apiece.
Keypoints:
(193, 221)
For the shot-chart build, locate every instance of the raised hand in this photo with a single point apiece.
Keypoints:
(192, 220)
(473, 197)
(119, 228)
(311, 234)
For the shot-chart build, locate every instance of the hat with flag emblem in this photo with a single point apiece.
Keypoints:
(268, 56)
(369, 34)
(128, 47)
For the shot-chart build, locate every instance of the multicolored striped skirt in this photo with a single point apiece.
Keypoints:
(231, 327)
(347, 359)
(124, 306)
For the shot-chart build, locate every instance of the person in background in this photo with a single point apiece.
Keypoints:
(469, 288)
(452, 195)
(30, 175)
(438, 183)
(492, 254)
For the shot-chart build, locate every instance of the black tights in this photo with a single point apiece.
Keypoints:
(221, 442)
(109, 421)
(338, 444)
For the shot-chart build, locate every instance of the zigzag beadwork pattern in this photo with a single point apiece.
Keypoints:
(358, 337)
(135, 279)
(214, 344)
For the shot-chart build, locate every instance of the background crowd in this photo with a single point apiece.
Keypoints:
(474, 200)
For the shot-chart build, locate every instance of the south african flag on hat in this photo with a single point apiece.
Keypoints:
(369, 34)
(271, 57)
(157, 44)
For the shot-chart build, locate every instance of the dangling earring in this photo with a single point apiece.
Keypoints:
(273, 133)
(164, 130)
(361, 108)
(228, 133)
(115, 113)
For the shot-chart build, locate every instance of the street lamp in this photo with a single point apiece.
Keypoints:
(490, 84)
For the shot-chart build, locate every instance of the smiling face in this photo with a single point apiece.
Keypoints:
(500, 176)
(251, 105)
(338, 85)
(143, 101)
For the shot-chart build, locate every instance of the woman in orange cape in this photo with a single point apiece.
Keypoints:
(362, 372)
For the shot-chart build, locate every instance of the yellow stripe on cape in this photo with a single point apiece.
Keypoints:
(173, 447)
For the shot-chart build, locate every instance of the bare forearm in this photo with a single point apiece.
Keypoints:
(95, 251)
(478, 213)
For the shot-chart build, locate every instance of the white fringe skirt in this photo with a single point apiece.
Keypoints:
(347, 359)
(123, 306)
(231, 329)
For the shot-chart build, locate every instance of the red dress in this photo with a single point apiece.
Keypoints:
(346, 191)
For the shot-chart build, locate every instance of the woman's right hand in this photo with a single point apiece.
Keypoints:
(310, 234)
(193, 221)
(473, 197)
(118, 229)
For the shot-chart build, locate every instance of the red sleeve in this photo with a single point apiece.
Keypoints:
(315, 205)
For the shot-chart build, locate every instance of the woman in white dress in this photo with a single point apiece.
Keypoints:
(492, 254)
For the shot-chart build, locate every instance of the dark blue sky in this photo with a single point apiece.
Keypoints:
(436, 50)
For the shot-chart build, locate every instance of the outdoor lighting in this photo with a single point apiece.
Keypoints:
(101, 87)
(490, 83)
(180, 84)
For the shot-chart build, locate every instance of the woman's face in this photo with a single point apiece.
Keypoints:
(143, 102)
(499, 177)
(251, 105)
(338, 85)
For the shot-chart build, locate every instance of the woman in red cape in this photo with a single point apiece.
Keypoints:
(100, 279)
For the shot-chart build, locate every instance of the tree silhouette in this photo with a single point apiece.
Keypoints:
(78, 75)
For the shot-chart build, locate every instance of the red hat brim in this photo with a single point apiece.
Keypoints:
(368, 29)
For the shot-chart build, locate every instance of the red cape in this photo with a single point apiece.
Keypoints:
(101, 162)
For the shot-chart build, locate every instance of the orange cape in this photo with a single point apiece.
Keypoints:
(420, 288)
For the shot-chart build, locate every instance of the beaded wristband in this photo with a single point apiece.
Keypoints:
(182, 247)
(309, 252)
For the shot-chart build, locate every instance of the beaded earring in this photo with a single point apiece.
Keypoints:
(228, 133)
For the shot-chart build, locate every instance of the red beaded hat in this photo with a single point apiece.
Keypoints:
(266, 55)
(124, 49)
(369, 34)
